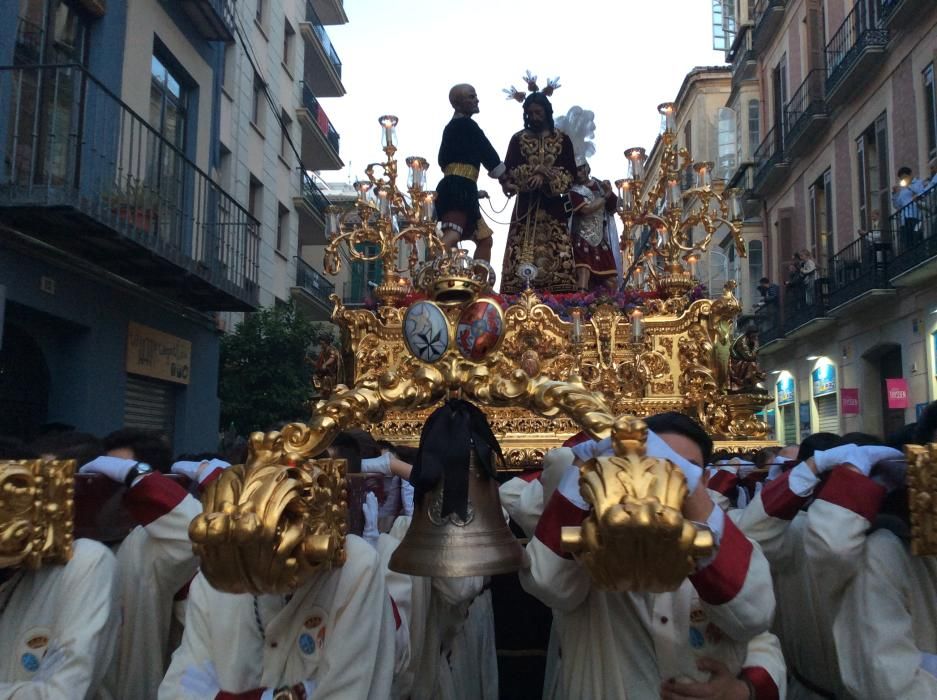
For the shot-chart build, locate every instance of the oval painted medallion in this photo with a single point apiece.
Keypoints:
(426, 331)
(480, 328)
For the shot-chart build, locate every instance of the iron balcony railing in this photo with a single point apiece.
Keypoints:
(807, 102)
(213, 19)
(322, 121)
(311, 280)
(768, 319)
(744, 55)
(313, 195)
(70, 142)
(323, 37)
(859, 267)
(858, 32)
(805, 300)
(761, 6)
(769, 153)
(914, 231)
(762, 12)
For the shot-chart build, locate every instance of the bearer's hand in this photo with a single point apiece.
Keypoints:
(369, 509)
(483, 194)
(115, 468)
(722, 685)
(509, 188)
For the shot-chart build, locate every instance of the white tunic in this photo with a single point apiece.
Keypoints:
(885, 599)
(155, 561)
(806, 604)
(336, 630)
(887, 618)
(59, 627)
(625, 644)
(452, 654)
(523, 500)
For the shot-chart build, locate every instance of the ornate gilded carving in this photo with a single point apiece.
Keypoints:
(922, 497)
(635, 500)
(37, 511)
(267, 526)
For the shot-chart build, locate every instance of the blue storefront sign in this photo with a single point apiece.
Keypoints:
(824, 380)
(785, 388)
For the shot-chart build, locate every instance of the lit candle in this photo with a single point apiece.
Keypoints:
(388, 121)
(674, 194)
(693, 258)
(362, 188)
(429, 211)
(734, 200)
(636, 158)
(636, 316)
(703, 174)
(626, 193)
(384, 203)
(332, 221)
(577, 325)
(667, 112)
(418, 168)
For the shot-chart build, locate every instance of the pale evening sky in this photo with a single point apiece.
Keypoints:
(618, 59)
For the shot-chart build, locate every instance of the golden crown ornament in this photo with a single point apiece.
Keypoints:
(451, 280)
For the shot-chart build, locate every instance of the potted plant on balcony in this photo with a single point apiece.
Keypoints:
(134, 204)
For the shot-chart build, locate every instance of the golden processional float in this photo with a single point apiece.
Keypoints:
(541, 370)
(269, 524)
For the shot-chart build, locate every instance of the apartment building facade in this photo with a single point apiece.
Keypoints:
(838, 96)
(131, 221)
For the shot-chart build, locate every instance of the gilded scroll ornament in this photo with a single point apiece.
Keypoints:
(922, 497)
(37, 510)
(267, 527)
(635, 500)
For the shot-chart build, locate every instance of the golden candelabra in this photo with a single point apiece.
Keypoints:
(681, 222)
(385, 216)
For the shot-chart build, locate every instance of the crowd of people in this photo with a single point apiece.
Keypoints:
(811, 592)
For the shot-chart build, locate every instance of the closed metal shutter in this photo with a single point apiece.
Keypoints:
(828, 413)
(789, 425)
(150, 404)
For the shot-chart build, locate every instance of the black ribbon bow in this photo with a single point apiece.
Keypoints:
(446, 442)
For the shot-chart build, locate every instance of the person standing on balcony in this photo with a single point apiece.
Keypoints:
(808, 271)
(902, 198)
(464, 147)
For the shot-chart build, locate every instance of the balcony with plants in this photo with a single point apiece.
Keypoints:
(84, 173)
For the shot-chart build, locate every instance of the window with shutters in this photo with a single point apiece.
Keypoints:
(930, 111)
(828, 413)
(872, 174)
(150, 404)
(788, 424)
(754, 128)
(821, 218)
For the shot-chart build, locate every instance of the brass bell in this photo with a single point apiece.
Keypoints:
(480, 545)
